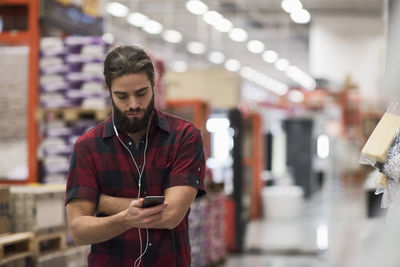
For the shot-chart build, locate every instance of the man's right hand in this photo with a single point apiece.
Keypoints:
(137, 217)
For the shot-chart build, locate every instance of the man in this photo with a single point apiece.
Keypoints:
(138, 151)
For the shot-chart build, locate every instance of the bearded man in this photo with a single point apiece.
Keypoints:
(138, 151)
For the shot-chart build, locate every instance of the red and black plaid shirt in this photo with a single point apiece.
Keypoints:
(100, 164)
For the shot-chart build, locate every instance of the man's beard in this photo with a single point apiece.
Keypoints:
(134, 125)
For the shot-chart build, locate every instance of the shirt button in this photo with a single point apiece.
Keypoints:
(150, 244)
(140, 166)
(198, 169)
(130, 143)
(197, 182)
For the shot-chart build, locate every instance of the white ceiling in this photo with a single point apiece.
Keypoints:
(262, 19)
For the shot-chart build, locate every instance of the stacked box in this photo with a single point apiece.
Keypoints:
(71, 72)
(53, 69)
(5, 213)
(70, 77)
(75, 256)
(85, 59)
(38, 209)
(57, 147)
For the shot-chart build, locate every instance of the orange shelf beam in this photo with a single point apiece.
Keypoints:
(257, 163)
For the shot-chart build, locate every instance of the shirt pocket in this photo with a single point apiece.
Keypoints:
(158, 174)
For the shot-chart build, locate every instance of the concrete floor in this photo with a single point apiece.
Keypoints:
(332, 230)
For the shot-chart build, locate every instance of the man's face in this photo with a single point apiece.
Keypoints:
(133, 102)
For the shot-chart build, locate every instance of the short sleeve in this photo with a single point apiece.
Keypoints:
(81, 178)
(188, 167)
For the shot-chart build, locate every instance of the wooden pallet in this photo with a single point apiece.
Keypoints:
(15, 246)
(72, 114)
(48, 243)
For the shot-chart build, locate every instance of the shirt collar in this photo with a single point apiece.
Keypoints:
(159, 121)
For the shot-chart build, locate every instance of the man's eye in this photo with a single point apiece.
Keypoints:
(121, 96)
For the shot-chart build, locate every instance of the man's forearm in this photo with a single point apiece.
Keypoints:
(109, 205)
(90, 230)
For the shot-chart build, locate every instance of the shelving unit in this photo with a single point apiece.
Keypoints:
(195, 111)
(29, 37)
(253, 160)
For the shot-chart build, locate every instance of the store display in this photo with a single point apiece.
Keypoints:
(71, 88)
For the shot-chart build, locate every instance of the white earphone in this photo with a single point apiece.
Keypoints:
(140, 172)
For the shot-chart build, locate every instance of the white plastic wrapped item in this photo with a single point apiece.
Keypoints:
(382, 151)
(377, 146)
(391, 171)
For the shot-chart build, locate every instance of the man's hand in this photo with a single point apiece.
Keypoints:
(137, 217)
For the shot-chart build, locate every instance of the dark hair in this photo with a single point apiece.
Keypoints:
(127, 60)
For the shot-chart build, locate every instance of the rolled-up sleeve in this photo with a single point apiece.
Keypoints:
(188, 167)
(81, 179)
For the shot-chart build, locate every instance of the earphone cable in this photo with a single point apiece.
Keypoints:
(140, 172)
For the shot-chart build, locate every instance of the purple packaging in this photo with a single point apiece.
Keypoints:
(54, 87)
(60, 69)
(79, 40)
(84, 77)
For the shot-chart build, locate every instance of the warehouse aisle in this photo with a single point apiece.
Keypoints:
(332, 230)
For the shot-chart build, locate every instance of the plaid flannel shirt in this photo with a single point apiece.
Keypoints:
(100, 164)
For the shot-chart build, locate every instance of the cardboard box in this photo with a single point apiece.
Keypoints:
(5, 212)
(38, 209)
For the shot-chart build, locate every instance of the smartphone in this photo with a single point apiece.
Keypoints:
(151, 201)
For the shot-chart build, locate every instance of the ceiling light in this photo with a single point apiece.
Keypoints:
(196, 7)
(291, 5)
(281, 89)
(296, 96)
(255, 46)
(117, 9)
(247, 72)
(108, 38)
(293, 72)
(179, 66)
(270, 56)
(282, 64)
(216, 57)
(152, 27)
(137, 19)
(238, 35)
(232, 65)
(301, 16)
(172, 36)
(212, 17)
(196, 47)
(224, 25)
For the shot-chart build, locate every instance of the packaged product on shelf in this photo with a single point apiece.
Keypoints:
(382, 151)
(38, 209)
(72, 90)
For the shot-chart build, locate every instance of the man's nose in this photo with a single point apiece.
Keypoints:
(133, 103)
